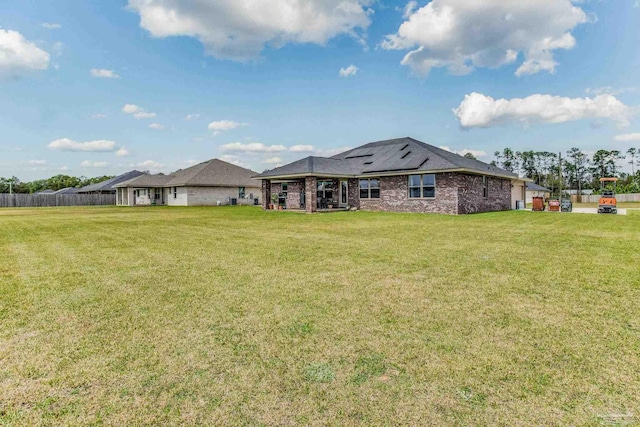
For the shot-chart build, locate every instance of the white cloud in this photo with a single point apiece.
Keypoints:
(628, 137)
(192, 117)
(122, 152)
(148, 165)
(17, 55)
(478, 110)
(252, 147)
(131, 109)
(104, 74)
(156, 126)
(66, 144)
(609, 90)
(475, 153)
(240, 29)
(222, 125)
(409, 9)
(137, 112)
(351, 70)
(302, 148)
(89, 164)
(99, 116)
(328, 152)
(37, 162)
(277, 161)
(144, 115)
(463, 34)
(50, 26)
(57, 48)
(64, 168)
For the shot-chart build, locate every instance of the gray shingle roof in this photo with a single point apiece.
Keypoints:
(212, 173)
(110, 184)
(388, 156)
(532, 186)
(68, 190)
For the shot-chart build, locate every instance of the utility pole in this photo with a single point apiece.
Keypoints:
(561, 184)
(10, 186)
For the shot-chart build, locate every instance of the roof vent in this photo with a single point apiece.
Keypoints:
(406, 145)
(407, 153)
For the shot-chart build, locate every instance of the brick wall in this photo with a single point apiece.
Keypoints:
(471, 195)
(394, 196)
(455, 194)
(354, 193)
(311, 190)
(294, 189)
(266, 193)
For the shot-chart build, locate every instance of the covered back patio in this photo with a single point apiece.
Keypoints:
(311, 193)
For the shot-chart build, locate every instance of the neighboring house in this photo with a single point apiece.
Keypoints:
(109, 186)
(68, 190)
(535, 190)
(398, 175)
(211, 183)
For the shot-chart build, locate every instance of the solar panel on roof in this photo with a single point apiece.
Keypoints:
(361, 152)
(398, 163)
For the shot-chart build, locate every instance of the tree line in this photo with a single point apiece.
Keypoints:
(54, 183)
(574, 170)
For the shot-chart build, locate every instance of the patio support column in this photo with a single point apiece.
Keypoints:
(311, 193)
(266, 193)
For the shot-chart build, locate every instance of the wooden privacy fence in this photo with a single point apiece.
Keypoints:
(46, 200)
(631, 197)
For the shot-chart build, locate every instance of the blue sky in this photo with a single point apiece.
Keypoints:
(262, 84)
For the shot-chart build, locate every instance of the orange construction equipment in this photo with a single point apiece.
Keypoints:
(538, 204)
(608, 202)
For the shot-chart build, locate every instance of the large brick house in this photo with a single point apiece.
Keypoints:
(398, 175)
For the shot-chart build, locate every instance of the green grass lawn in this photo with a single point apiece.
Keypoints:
(234, 316)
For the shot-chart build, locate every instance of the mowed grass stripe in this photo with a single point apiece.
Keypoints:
(234, 316)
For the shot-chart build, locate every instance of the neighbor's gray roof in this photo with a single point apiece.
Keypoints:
(68, 190)
(146, 180)
(110, 184)
(212, 173)
(532, 186)
(393, 155)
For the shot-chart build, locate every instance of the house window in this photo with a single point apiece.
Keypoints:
(422, 186)
(285, 189)
(158, 194)
(370, 188)
(241, 192)
(175, 192)
(325, 190)
(485, 186)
